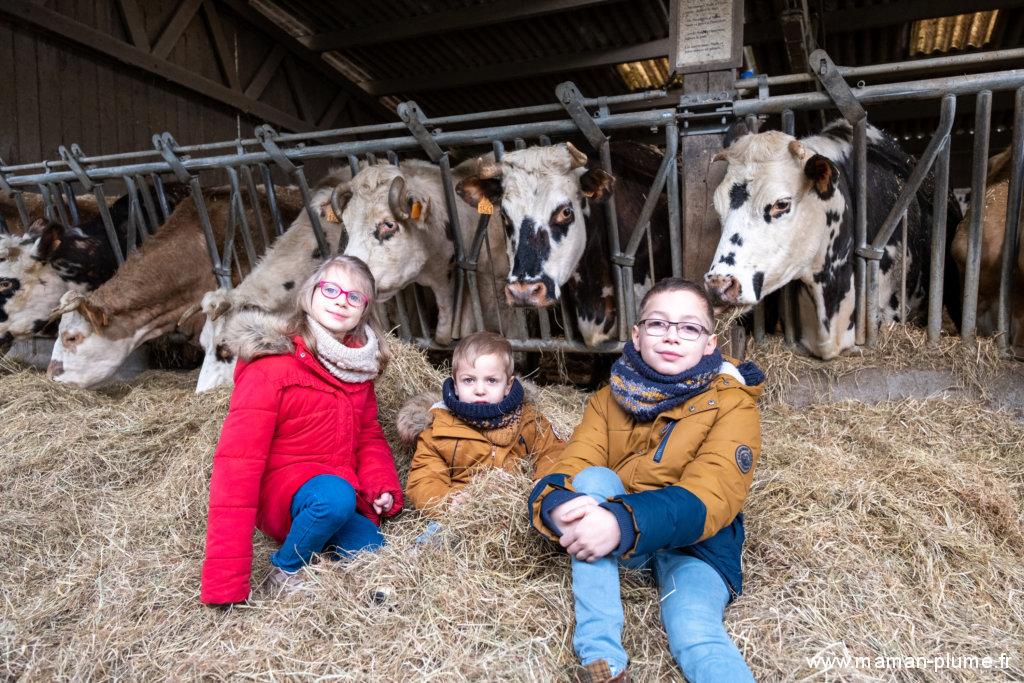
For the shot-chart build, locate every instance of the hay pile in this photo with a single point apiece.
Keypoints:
(887, 530)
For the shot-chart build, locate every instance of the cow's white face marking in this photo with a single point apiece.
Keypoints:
(218, 367)
(29, 289)
(396, 251)
(774, 218)
(83, 357)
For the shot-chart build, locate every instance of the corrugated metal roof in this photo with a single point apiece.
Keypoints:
(503, 60)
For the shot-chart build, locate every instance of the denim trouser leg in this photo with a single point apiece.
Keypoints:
(320, 508)
(358, 534)
(693, 600)
(595, 586)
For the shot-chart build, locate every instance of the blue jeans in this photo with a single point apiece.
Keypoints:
(324, 517)
(693, 599)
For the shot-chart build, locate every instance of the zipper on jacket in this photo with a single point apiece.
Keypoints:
(667, 431)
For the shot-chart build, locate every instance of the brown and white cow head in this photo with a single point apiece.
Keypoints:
(390, 222)
(30, 285)
(545, 195)
(776, 204)
(84, 354)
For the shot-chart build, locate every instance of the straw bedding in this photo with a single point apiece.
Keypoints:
(894, 529)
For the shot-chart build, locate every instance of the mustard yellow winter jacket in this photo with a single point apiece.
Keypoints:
(686, 473)
(450, 451)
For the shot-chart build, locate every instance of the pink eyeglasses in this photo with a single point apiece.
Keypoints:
(331, 290)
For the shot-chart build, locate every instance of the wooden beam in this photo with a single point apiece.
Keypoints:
(313, 59)
(506, 72)
(177, 25)
(48, 22)
(134, 23)
(225, 57)
(298, 91)
(498, 12)
(266, 72)
(330, 115)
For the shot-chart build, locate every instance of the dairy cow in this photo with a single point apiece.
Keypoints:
(396, 220)
(556, 227)
(39, 266)
(993, 235)
(148, 295)
(787, 213)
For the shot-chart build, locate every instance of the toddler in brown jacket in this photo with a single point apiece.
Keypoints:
(482, 421)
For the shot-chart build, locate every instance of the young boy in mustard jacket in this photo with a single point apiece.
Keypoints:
(482, 422)
(655, 476)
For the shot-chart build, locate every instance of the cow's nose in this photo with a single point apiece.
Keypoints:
(532, 294)
(6, 341)
(725, 288)
(54, 369)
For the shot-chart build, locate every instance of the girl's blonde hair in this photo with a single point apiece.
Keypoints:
(359, 271)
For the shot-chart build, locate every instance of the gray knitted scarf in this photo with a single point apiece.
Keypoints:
(344, 362)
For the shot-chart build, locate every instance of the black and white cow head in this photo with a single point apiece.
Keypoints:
(545, 195)
(31, 282)
(387, 212)
(778, 204)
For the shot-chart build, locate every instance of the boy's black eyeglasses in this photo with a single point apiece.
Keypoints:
(689, 331)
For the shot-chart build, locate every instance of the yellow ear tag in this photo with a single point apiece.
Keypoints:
(416, 211)
(484, 206)
(330, 215)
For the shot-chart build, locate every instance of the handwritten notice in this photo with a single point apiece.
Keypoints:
(704, 33)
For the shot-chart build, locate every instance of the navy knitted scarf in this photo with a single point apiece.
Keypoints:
(484, 415)
(644, 392)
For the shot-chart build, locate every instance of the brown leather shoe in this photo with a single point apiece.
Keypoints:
(599, 672)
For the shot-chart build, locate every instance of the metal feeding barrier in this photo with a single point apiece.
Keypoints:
(247, 164)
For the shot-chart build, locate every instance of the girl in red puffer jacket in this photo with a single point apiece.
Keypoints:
(301, 455)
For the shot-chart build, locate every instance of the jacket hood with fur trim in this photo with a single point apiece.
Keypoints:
(254, 333)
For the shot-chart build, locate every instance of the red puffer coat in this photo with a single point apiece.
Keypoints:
(289, 421)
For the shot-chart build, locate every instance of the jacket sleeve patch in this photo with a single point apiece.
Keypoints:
(744, 458)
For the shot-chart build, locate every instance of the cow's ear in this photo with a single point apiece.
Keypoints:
(96, 316)
(823, 174)
(50, 236)
(597, 184)
(474, 189)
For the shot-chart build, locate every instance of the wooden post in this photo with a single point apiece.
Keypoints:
(699, 178)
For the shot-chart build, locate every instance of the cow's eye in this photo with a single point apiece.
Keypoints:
(4, 286)
(563, 215)
(780, 207)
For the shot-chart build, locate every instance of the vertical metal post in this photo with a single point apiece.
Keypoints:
(268, 185)
(72, 203)
(254, 199)
(161, 197)
(860, 183)
(136, 229)
(675, 232)
(460, 250)
(904, 308)
(1011, 236)
(267, 137)
(979, 165)
(871, 296)
(48, 212)
(153, 219)
(937, 268)
(108, 223)
(788, 294)
(236, 199)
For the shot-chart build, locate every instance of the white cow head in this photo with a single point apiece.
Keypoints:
(388, 216)
(218, 367)
(545, 195)
(89, 350)
(776, 204)
(30, 287)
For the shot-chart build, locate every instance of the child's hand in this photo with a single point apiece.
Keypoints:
(383, 503)
(593, 536)
(572, 511)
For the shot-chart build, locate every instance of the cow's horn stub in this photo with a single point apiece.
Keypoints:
(797, 149)
(579, 159)
(397, 199)
(69, 302)
(189, 312)
(489, 171)
(339, 198)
